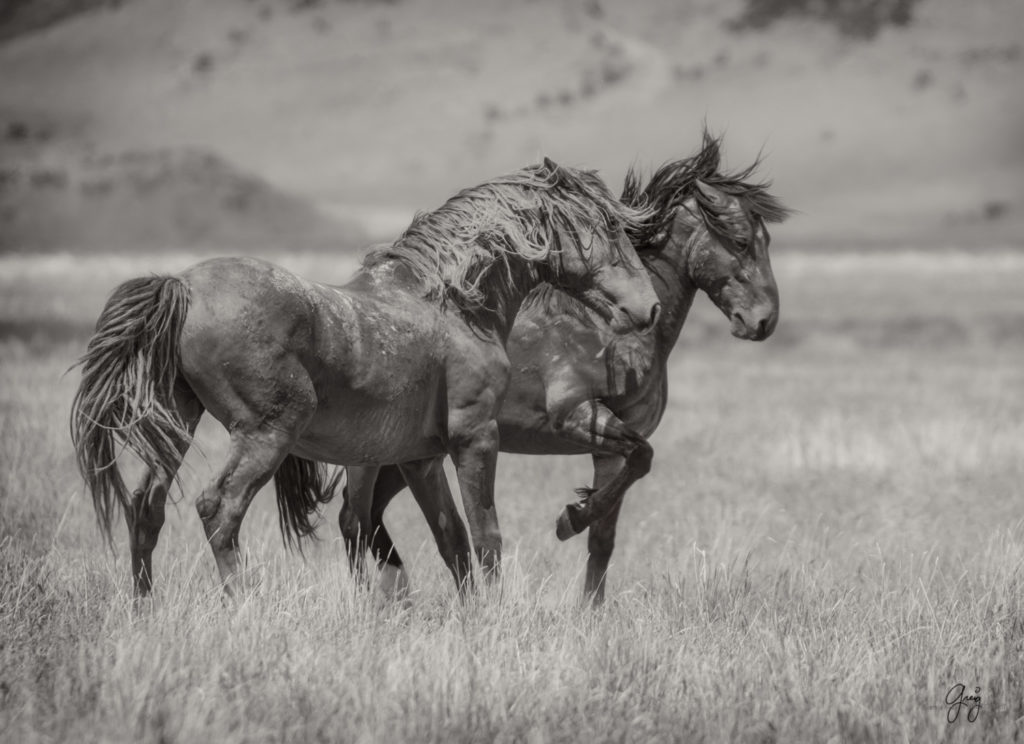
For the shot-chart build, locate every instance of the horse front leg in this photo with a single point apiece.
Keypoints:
(354, 518)
(593, 425)
(475, 454)
(429, 487)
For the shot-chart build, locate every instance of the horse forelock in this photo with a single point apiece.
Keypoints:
(675, 182)
(461, 251)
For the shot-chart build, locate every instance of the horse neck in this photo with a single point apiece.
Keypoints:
(505, 295)
(669, 269)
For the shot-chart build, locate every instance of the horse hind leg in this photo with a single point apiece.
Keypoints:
(378, 486)
(601, 537)
(253, 458)
(145, 515)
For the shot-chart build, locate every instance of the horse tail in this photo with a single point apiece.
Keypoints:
(126, 396)
(301, 485)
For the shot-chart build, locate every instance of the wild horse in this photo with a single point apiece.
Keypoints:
(704, 230)
(406, 363)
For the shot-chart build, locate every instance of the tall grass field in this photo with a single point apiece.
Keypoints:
(829, 548)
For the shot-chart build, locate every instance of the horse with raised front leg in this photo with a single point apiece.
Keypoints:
(577, 389)
(404, 364)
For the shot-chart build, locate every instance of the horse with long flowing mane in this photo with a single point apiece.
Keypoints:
(704, 230)
(404, 364)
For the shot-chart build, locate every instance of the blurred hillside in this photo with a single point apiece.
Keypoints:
(358, 113)
(156, 199)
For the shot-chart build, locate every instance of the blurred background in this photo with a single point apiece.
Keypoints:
(140, 136)
(226, 126)
(852, 486)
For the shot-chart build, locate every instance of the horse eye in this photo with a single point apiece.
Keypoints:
(745, 240)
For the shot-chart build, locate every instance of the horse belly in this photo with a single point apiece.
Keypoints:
(541, 440)
(377, 373)
(351, 430)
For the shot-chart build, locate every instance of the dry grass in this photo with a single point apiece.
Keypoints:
(831, 537)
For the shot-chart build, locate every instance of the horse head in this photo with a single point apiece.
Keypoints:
(595, 258)
(728, 259)
(710, 227)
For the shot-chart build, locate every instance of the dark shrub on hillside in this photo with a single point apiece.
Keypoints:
(19, 17)
(857, 18)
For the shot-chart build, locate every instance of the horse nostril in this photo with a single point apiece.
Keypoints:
(762, 328)
(655, 314)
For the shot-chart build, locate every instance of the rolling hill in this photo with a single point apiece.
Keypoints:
(362, 112)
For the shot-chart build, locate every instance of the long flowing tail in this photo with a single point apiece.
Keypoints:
(126, 397)
(302, 485)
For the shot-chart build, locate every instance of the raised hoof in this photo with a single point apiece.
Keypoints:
(566, 526)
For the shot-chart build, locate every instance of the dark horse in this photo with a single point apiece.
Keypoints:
(705, 230)
(406, 363)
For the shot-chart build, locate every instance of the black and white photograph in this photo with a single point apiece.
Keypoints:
(511, 371)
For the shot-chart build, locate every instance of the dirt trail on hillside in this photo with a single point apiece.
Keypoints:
(376, 110)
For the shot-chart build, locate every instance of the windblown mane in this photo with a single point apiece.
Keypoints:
(557, 303)
(674, 182)
(457, 250)
(656, 203)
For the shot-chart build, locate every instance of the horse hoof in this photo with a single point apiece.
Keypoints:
(565, 527)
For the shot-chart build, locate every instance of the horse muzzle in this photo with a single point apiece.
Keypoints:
(754, 325)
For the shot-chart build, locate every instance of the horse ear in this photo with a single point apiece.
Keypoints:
(553, 169)
(551, 166)
(717, 197)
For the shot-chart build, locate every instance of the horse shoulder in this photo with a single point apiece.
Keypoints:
(477, 367)
(373, 336)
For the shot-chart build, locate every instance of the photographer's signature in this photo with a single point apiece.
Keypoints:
(958, 698)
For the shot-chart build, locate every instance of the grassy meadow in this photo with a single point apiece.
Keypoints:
(831, 538)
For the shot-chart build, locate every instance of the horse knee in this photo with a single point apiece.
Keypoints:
(221, 525)
(208, 505)
(348, 522)
(640, 459)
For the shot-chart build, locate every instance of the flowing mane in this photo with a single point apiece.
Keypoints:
(557, 303)
(656, 203)
(459, 249)
(674, 182)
